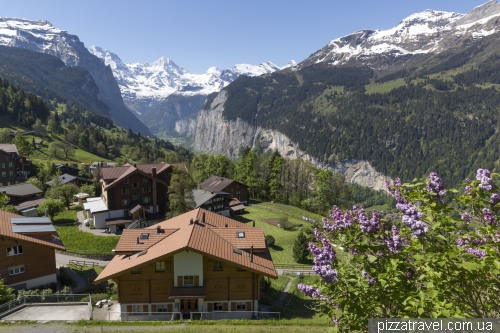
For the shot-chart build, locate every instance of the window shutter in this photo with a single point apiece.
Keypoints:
(145, 309)
(210, 307)
(169, 307)
(167, 266)
(196, 280)
(153, 308)
(180, 281)
(225, 306)
(210, 265)
(249, 306)
(233, 306)
(129, 310)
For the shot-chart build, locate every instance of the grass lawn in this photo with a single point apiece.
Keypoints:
(384, 87)
(77, 241)
(281, 252)
(67, 216)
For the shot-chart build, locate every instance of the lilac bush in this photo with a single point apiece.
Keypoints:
(436, 259)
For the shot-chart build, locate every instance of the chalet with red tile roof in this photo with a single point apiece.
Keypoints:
(196, 262)
(27, 250)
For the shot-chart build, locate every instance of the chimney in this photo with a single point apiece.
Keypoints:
(138, 240)
(158, 230)
(203, 218)
(251, 254)
(153, 170)
(197, 221)
(46, 212)
(226, 224)
(253, 223)
(135, 165)
(191, 221)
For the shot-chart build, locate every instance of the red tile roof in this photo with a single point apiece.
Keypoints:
(128, 240)
(212, 239)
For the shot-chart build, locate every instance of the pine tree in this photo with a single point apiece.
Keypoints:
(301, 248)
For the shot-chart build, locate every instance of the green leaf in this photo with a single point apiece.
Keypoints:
(372, 259)
(441, 237)
(420, 311)
(470, 266)
(497, 264)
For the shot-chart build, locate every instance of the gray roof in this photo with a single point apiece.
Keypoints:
(33, 228)
(104, 164)
(216, 183)
(9, 148)
(59, 165)
(202, 196)
(20, 190)
(30, 220)
(66, 178)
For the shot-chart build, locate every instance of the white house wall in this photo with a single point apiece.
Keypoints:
(188, 263)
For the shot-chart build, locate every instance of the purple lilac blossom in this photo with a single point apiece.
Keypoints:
(477, 252)
(467, 189)
(489, 217)
(336, 321)
(494, 199)
(468, 180)
(394, 243)
(485, 177)
(466, 217)
(310, 291)
(323, 257)
(367, 225)
(435, 185)
(460, 242)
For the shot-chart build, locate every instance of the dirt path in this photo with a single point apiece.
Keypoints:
(284, 293)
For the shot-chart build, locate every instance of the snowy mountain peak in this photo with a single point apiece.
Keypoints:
(145, 85)
(426, 32)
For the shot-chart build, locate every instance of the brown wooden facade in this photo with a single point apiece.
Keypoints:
(226, 287)
(8, 172)
(37, 260)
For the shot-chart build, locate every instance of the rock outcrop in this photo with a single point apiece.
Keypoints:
(211, 133)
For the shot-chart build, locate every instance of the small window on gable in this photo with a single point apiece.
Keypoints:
(218, 265)
(240, 234)
(145, 235)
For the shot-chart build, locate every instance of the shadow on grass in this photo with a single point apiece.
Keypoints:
(241, 217)
(277, 248)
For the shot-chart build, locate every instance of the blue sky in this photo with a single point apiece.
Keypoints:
(198, 34)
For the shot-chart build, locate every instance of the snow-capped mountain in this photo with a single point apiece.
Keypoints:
(145, 86)
(428, 32)
(41, 36)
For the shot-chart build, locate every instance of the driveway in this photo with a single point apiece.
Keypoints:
(70, 312)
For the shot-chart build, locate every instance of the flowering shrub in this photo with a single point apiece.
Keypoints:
(441, 260)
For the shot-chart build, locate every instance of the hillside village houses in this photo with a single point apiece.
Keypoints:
(199, 264)
(14, 168)
(131, 193)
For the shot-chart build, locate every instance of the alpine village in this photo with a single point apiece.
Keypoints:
(362, 182)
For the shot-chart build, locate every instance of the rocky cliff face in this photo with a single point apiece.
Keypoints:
(211, 133)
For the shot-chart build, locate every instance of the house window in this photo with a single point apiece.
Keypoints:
(4, 174)
(135, 185)
(145, 235)
(16, 270)
(218, 307)
(188, 281)
(136, 271)
(14, 251)
(146, 199)
(135, 196)
(145, 179)
(10, 164)
(11, 173)
(125, 202)
(137, 309)
(146, 189)
(241, 306)
(160, 266)
(3, 165)
(161, 308)
(125, 182)
(240, 234)
(124, 191)
(217, 265)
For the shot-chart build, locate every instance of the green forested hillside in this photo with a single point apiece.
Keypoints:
(420, 120)
(48, 77)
